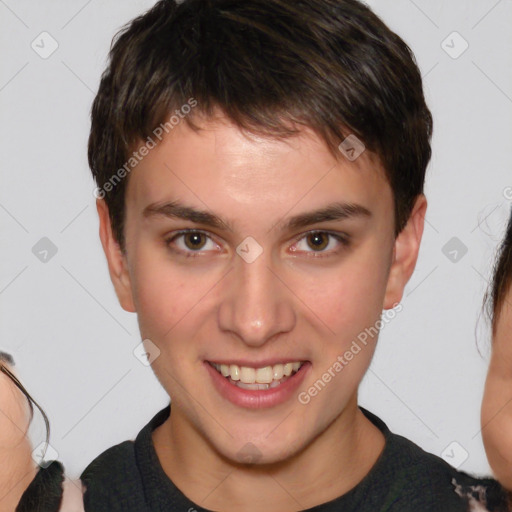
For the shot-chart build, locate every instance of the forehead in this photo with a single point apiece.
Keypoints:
(222, 167)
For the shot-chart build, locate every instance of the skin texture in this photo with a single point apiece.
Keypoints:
(292, 302)
(72, 497)
(496, 413)
(15, 446)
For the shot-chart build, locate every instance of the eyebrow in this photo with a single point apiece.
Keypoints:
(333, 211)
(175, 209)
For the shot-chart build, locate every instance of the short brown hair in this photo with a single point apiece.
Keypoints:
(271, 66)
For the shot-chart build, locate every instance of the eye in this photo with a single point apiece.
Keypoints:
(190, 241)
(319, 241)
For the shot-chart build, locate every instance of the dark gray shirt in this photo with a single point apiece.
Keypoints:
(129, 478)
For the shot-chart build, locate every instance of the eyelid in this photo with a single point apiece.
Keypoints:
(324, 231)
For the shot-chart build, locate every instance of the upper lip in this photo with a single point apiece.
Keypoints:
(257, 364)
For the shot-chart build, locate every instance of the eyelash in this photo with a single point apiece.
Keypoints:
(342, 239)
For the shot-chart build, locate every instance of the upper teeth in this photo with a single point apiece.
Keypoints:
(263, 375)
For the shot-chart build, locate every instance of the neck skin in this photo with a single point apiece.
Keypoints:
(330, 466)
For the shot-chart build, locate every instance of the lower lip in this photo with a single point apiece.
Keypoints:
(258, 398)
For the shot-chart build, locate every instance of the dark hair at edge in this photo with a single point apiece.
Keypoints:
(271, 67)
(45, 490)
(7, 359)
(501, 281)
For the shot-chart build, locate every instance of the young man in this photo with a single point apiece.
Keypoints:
(260, 169)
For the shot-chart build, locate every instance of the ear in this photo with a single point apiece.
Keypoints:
(117, 264)
(405, 253)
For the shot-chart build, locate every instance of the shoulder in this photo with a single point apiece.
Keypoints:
(414, 476)
(119, 457)
(116, 480)
(441, 481)
(112, 481)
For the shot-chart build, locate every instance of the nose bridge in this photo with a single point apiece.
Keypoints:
(256, 306)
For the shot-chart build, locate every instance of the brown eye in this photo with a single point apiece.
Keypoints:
(321, 244)
(193, 241)
(318, 241)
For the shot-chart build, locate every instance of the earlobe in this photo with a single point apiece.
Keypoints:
(117, 264)
(405, 253)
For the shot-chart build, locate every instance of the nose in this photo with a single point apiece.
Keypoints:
(256, 305)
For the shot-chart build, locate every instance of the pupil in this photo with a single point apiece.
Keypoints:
(194, 241)
(318, 240)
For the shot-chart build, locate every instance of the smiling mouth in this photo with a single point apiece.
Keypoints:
(268, 377)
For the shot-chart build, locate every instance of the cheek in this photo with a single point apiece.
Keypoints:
(172, 301)
(160, 292)
(166, 315)
(348, 299)
(15, 416)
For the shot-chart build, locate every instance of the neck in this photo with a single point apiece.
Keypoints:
(331, 465)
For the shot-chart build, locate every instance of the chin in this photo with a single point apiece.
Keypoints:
(247, 450)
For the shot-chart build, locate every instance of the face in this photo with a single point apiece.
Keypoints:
(227, 263)
(496, 413)
(15, 417)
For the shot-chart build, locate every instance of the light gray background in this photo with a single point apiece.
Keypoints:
(60, 318)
